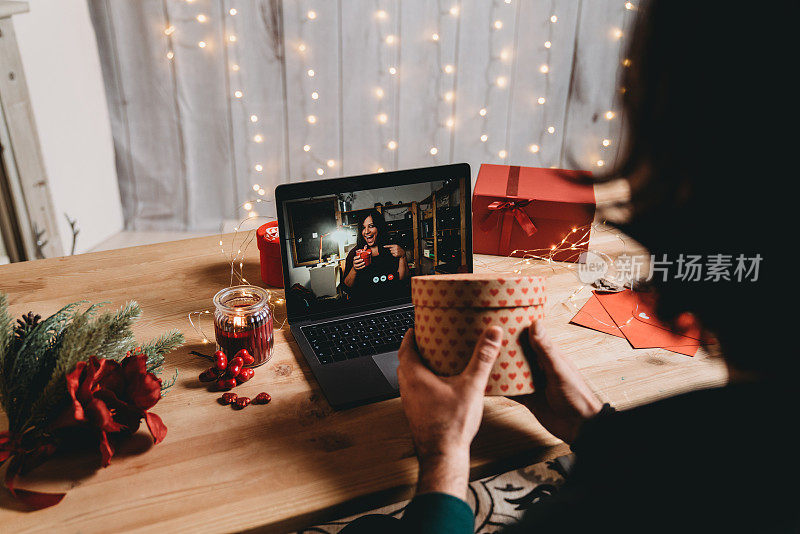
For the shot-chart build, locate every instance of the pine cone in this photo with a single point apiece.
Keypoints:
(26, 324)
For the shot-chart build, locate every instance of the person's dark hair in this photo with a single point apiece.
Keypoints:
(709, 165)
(380, 224)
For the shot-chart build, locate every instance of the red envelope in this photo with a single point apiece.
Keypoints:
(631, 315)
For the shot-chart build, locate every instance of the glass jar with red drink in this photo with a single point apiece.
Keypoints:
(243, 320)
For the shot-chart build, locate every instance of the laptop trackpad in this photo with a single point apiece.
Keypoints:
(387, 363)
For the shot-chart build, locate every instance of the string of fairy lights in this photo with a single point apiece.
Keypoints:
(499, 73)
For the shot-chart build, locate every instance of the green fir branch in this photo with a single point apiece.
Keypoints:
(157, 348)
(6, 334)
(32, 354)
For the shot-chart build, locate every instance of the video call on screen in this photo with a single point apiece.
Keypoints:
(362, 247)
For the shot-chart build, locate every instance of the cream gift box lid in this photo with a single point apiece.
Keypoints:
(469, 290)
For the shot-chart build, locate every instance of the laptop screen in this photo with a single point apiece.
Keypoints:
(357, 247)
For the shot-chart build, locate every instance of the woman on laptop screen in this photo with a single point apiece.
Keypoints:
(375, 269)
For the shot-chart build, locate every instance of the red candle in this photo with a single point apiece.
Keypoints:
(243, 320)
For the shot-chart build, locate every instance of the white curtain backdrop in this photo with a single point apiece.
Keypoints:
(215, 102)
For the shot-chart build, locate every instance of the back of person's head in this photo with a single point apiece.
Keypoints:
(708, 105)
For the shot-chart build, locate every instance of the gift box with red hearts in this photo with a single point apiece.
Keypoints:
(525, 208)
(451, 312)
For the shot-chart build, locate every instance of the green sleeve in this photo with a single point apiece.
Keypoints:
(438, 513)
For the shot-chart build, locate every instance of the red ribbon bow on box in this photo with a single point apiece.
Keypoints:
(510, 209)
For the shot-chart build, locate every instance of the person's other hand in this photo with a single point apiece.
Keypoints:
(395, 250)
(444, 413)
(567, 400)
(358, 263)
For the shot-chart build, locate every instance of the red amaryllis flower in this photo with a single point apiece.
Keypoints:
(113, 397)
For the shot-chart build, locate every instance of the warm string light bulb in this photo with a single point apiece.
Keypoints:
(392, 70)
(320, 171)
(449, 69)
(502, 154)
(258, 168)
(391, 145)
(548, 44)
(169, 30)
(454, 11)
(255, 188)
(553, 19)
(501, 81)
(534, 148)
(202, 18)
(311, 14)
(498, 24)
(551, 129)
(306, 148)
(202, 44)
(482, 112)
(484, 138)
(310, 73)
(233, 11)
(312, 119)
(435, 37)
(301, 47)
(610, 115)
(381, 14)
(600, 162)
(238, 94)
(330, 163)
(390, 39)
(253, 118)
(258, 138)
(383, 118)
(379, 92)
(315, 96)
(434, 151)
(541, 100)
(606, 142)
(616, 33)
(544, 69)
(448, 96)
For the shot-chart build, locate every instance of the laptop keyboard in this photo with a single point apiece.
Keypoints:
(358, 337)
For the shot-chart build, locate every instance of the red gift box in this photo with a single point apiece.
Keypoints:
(269, 246)
(531, 209)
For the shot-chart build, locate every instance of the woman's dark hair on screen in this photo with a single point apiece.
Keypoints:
(708, 163)
(380, 225)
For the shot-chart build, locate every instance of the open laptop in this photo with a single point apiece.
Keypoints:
(350, 247)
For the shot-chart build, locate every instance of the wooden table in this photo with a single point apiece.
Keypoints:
(294, 462)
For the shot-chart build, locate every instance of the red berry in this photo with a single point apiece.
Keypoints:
(235, 360)
(262, 398)
(241, 402)
(227, 398)
(220, 360)
(245, 375)
(246, 357)
(226, 383)
(234, 369)
(209, 375)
